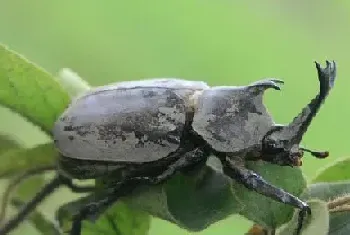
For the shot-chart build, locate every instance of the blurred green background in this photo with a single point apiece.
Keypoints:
(222, 42)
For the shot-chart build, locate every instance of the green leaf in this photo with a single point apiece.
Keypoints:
(7, 144)
(17, 161)
(339, 221)
(23, 188)
(193, 201)
(326, 191)
(29, 90)
(38, 220)
(29, 187)
(197, 201)
(24, 193)
(265, 211)
(338, 171)
(317, 224)
(121, 219)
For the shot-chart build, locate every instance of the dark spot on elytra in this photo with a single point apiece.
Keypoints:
(140, 144)
(70, 137)
(148, 93)
(110, 132)
(127, 127)
(173, 100)
(138, 135)
(80, 130)
(68, 128)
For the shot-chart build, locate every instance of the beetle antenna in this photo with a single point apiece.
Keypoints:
(316, 153)
(31, 205)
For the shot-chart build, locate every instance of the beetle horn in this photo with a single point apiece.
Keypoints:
(296, 129)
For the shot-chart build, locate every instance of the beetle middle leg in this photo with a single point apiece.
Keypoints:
(255, 182)
(47, 190)
(92, 206)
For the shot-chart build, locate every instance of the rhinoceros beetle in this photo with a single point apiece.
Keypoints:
(142, 132)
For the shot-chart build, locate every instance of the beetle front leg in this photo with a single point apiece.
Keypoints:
(255, 182)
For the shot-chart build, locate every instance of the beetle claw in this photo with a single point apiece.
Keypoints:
(303, 213)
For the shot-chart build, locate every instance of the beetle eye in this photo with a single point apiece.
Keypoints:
(271, 145)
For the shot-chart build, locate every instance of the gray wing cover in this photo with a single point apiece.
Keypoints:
(231, 119)
(139, 121)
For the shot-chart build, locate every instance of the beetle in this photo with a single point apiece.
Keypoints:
(142, 132)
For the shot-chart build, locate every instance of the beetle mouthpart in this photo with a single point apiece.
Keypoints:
(296, 158)
(299, 162)
(317, 154)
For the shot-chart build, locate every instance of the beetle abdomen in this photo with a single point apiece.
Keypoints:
(128, 124)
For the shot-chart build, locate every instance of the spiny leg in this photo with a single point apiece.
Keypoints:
(255, 182)
(39, 197)
(95, 204)
(77, 188)
(14, 182)
(31, 205)
(91, 206)
(29, 173)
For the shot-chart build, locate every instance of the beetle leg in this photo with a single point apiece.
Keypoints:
(188, 159)
(77, 188)
(255, 182)
(89, 207)
(95, 204)
(31, 205)
(267, 83)
(13, 183)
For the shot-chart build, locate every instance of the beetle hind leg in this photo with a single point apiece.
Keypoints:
(266, 84)
(71, 215)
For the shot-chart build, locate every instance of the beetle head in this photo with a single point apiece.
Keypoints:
(279, 150)
(281, 144)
